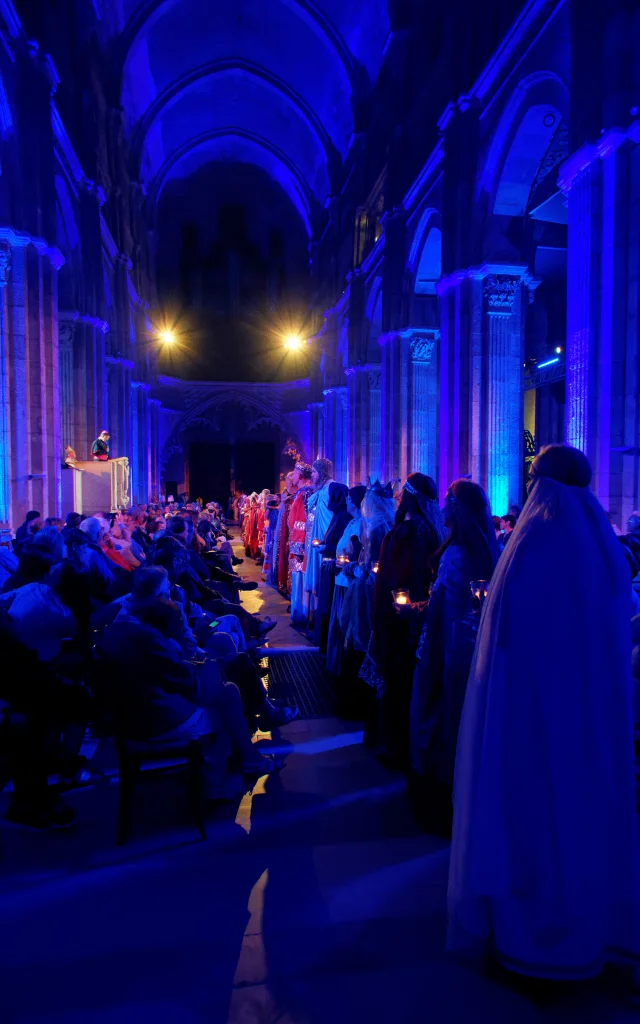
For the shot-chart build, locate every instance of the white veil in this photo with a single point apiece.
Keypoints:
(545, 821)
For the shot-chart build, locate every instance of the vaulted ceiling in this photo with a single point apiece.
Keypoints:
(275, 83)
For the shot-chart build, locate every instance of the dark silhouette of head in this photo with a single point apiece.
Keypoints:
(467, 515)
(562, 463)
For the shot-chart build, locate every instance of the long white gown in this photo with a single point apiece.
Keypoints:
(545, 867)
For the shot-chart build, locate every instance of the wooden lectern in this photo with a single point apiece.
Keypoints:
(92, 487)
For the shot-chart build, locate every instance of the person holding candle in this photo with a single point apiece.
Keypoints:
(338, 495)
(319, 518)
(378, 512)
(347, 554)
(446, 646)
(416, 532)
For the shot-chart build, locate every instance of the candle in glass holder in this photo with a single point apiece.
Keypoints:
(375, 566)
(316, 543)
(342, 559)
(478, 593)
(401, 597)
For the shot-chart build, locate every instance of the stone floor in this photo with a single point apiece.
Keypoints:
(315, 901)
(266, 601)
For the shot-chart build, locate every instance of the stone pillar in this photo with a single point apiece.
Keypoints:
(460, 340)
(602, 184)
(119, 405)
(395, 298)
(316, 431)
(82, 379)
(375, 423)
(363, 384)
(502, 427)
(424, 401)
(154, 433)
(67, 404)
(396, 361)
(31, 354)
(5, 391)
(140, 439)
(481, 419)
(337, 431)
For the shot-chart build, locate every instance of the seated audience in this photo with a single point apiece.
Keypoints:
(23, 530)
(159, 695)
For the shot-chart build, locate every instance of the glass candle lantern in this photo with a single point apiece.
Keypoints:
(478, 594)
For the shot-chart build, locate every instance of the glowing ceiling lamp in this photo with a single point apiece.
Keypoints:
(167, 337)
(293, 342)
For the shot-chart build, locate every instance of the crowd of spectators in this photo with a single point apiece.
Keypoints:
(129, 623)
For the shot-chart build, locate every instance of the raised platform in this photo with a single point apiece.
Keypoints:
(92, 487)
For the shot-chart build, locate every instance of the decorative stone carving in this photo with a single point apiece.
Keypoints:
(500, 293)
(422, 349)
(375, 377)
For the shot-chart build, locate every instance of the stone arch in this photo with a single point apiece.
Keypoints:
(424, 264)
(258, 413)
(429, 219)
(530, 118)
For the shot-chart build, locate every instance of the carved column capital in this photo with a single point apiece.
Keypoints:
(500, 293)
(422, 349)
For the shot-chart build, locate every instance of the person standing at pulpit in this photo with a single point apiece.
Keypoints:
(100, 447)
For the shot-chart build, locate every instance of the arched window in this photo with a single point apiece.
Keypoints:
(430, 265)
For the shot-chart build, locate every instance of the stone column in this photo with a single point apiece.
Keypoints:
(460, 367)
(337, 431)
(67, 403)
(82, 379)
(481, 419)
(5, 390)
(154, 433)
(395, 446)
(119, 373)
(375, 423)
(140, 442)
(395, 299)
(31, 352)
(502, 426)
(602, 184)
(363, 384)
(424, 401)
(316, 432)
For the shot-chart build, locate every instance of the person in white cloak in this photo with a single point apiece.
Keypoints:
(545, 858)
(318, 522)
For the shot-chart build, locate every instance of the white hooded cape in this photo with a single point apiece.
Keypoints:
(545, 854)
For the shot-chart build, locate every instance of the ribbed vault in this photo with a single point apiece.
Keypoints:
(277, 82)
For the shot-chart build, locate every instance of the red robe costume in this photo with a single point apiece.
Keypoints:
(283, 546)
